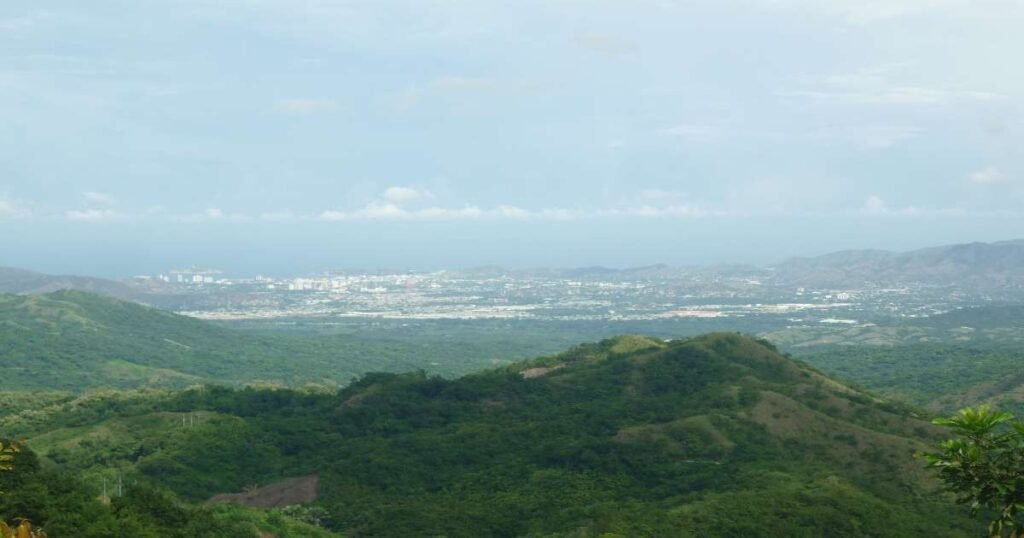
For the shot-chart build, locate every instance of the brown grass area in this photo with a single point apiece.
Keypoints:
(786, 418)
(299, 490)
(357, 399)
(993, 393)
(539, 371)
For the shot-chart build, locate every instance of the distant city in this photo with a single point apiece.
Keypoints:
(542, 295)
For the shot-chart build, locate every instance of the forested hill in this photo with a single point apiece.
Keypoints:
(72, 340)
(717, 435)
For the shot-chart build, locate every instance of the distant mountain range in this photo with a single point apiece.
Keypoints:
(24, 282)
(974, 266)
(997, 265)
(971, 265)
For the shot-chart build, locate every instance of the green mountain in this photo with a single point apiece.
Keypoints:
(717, 435)
(72, 340)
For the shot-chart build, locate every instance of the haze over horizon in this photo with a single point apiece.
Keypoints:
(292, 136)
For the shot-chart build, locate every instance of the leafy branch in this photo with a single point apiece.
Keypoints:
(984, 466)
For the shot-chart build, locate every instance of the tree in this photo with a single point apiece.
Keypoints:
(7, 453)
(24, 529)
(984, 466)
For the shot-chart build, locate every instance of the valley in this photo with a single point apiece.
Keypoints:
(611, 404)
(625, 436)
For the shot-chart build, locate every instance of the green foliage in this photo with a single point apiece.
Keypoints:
(71, 341)
(67, 506)
(7, 453)
(632, 436)
(984, 466)
(942, 377)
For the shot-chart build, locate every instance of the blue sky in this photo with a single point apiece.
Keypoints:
(300, 135)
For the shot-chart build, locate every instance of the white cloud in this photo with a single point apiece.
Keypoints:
(306, 106)
(511, 211)
(871, 87)
(679, 210)
(278, 216)
(378, 210)
(213, 214)
(11, 210)
(875, 205)
(988, 176)
(560, 214)
(390, 211)
(461, 84)
(333, 215)
(97, 198)
(401, 195)
(90, 214)
(468, 212)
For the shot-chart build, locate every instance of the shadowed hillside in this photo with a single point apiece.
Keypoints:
(72, 340)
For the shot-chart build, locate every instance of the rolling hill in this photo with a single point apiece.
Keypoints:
(717, 435)
(72, 340)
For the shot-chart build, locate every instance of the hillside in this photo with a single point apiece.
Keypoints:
(985, 266)
(940, 377)
(72, 340)
(21, 281)
(988, 317)
(717, 435)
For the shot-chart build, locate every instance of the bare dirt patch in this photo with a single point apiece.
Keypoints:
(279, 494)
(531, 373)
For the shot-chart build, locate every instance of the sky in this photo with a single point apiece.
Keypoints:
(295, 136)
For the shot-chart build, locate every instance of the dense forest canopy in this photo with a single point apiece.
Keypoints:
(629, 436)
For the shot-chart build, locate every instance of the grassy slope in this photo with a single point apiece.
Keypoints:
(940, 377)
(714, 436)
(983, 326)
(70, 340)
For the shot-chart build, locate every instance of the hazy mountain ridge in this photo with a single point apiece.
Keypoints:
(974, 267)
(22, 281)
(970, 265)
